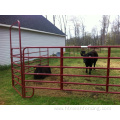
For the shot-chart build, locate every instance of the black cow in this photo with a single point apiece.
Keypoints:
(82, 53)
(90, 61)
(41, 70)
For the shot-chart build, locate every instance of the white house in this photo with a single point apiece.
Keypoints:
(36, 30)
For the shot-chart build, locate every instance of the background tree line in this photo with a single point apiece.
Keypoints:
(108, 34)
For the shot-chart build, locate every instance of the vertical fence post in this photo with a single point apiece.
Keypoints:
(28, 58)
(23, 76)
(11, 55)
(21, 61)
(48, 56)
(40, 55)
(108, 70)
(61, 68)
(12, 67)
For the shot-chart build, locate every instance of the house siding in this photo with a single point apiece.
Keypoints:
(28, 39)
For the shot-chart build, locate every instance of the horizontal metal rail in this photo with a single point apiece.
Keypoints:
(72, 75)
(71, 90)
(66, 75)
(41, 81)
(116, 46)
(35, 52)
(66, 47)
(68, 57)
(72, 57)
(70, 67)
(42, 88)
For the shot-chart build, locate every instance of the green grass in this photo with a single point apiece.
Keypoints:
(8, 96)
(4, 67)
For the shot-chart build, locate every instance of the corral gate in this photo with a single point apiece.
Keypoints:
(27, 58)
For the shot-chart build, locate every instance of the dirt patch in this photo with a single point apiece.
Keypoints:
(59, 93)
(56, 93)
(87, 79)
(94, 95)
(100, 88)
(2, 102)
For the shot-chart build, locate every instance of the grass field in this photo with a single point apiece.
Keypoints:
(8, 96)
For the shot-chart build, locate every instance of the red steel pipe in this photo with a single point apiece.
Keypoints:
(68, 67)
(17, 91)
(17, 76)
(31, 95)
(72, 67)
(68, 75)
(108, 66)
(20, 56)
(65, 57)
(61, 69)
(84, 90)
(73, 47)
(84, 83)
(17, 82)
(42, 88)
(40, 81)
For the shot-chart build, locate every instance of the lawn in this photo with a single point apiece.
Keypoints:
(8, 96)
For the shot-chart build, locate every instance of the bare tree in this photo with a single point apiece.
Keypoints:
(115, 30)
(118, 29)
(76, 27)
(104, 27)
(70, 32)
(94, 34)
(83, 31)
(118, 23)
(54, 19)
(75, 24)
(60, 21)
(79, 29)
(65, 20)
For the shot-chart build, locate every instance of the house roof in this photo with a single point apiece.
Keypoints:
(34, 22)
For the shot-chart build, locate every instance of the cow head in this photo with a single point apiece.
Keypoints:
(82, 53)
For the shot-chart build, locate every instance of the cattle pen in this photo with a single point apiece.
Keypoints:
(27, 58)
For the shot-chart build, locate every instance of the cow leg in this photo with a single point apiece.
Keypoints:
(94, 65)
(86, 69)
(90, 69)
(91, 66)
